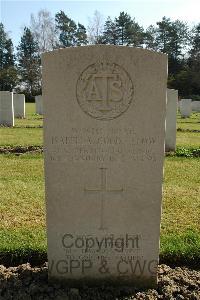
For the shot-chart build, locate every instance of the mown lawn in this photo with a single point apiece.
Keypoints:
(20, 135)
(192, 123)
(188, 139)
(22, 209)
(31, 119)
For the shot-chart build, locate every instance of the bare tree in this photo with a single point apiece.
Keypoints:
(43, 28)
(95, 28)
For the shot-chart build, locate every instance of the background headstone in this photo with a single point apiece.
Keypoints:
(196, 106)
(104, 131)
(19, 105)
(6, 109)
(170, 135)
(185, 108)
(39, 105)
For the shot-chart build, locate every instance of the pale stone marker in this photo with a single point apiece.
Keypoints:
(19, 105)
(196, 106)
(6, 108)
(104, 109)
(39, 105)
(185, 108)
(170, 135)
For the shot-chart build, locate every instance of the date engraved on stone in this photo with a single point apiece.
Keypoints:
(104, 91)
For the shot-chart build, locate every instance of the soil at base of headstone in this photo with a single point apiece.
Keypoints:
(27, 283)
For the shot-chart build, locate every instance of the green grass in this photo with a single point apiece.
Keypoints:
(181, 249)
(22, 208)
(21, 136)
(188, 139)
(181, 205)
(22, 211)
(192, 123)
(32, 119)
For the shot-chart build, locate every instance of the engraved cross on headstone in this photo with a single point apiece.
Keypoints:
(103, 190)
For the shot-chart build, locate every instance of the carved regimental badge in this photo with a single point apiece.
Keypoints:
(104, 90)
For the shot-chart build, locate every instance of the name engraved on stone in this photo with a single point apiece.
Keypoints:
(104, 90)
(103, 190)
(109, 122)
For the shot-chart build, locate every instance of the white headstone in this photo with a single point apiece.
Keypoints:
(19, 105)
(6, 108)
(170, 134)
(185, 108)
(39, 105)
(196, 106)
(105, 110)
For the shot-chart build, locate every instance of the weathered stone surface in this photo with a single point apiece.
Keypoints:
(104, 136)
(185, 108)
(170, 135)
(6, 109)
(19, 105)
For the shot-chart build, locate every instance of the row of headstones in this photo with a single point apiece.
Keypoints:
(13, 106)
(186, 106)
(170, 125)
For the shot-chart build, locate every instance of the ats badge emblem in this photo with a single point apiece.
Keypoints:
(104, 91)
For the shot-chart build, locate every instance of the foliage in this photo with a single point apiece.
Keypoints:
(123, 31)
(81, 35)
(187, 152)
(129, 32)
(29, 64)
(194, 61)
(173, 37)
(69, 33)
(8, 72)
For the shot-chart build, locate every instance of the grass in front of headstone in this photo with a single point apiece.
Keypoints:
(188, 139)
(180, 226)
(22, 226)
(21, 136)
(22, 210)
(192, 123)
(186, 136)
(32, 119)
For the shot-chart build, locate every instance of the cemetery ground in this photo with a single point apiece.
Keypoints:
(22, 211)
